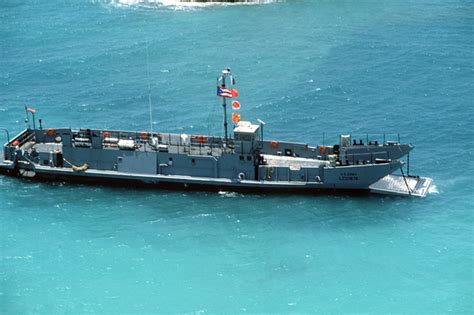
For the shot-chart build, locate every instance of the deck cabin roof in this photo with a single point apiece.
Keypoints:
(246, 127)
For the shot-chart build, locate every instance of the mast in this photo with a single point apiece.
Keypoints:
(225, 73)
(32, 111)
(27, 121)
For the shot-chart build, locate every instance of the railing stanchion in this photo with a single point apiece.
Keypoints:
(408, 164)
(8, 134)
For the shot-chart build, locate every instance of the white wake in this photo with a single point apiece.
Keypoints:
(433, 189)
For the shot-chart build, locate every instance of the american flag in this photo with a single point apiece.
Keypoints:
(223, 92)
(31, 110)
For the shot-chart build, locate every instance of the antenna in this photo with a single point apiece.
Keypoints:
(149, 88)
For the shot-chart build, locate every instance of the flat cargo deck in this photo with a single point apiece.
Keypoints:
(289, 161)
(402, 186)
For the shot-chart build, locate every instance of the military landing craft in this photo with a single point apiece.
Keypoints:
(240, 161)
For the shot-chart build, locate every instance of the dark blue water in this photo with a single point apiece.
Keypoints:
(304, 67)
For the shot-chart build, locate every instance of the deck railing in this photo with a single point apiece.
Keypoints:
(369, 137)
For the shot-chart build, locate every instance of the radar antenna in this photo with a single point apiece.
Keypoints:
(149, 90)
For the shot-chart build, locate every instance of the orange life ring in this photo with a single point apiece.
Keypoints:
(106, 135)
(274, 144)
(201, 139)
(144, 135)
(322, 150)
(51, 132)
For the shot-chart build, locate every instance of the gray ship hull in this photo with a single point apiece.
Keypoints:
(180, 184)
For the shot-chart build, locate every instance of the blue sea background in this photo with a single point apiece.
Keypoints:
(304, 67)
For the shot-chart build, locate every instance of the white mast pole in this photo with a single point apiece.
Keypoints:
(226, 72)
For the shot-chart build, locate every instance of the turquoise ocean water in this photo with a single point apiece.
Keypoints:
(304, 67)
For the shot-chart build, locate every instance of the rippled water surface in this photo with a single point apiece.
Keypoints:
(304, 67)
